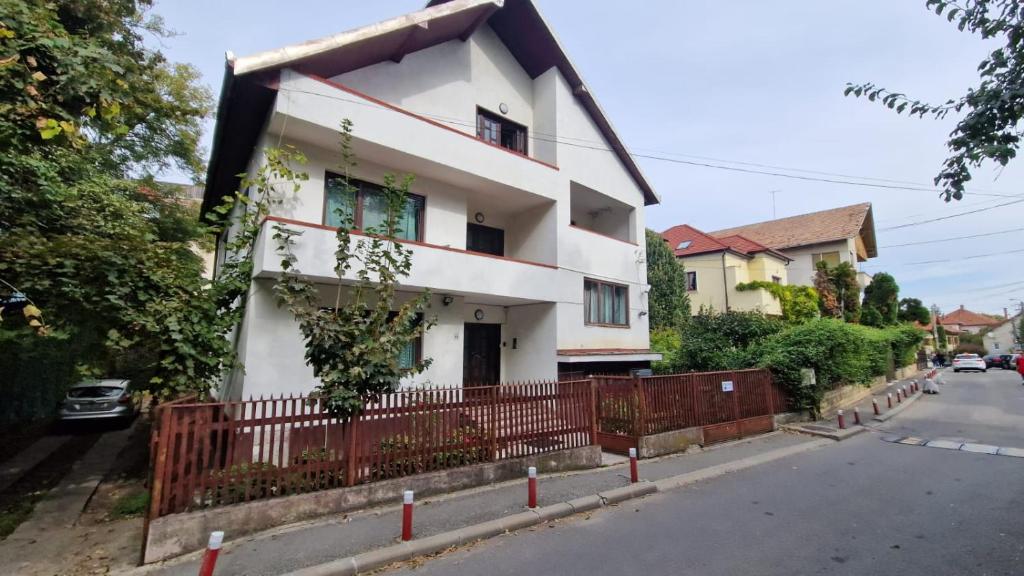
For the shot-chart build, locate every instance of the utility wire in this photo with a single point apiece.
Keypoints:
(944, 260)
(948, 216)
(940, 240)
(661, 157)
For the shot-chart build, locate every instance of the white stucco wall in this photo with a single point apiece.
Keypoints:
(541, 308)
(801, 270)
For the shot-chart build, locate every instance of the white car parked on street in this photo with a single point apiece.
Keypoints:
(969, 362)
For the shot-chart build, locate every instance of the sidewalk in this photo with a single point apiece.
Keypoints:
(307, 544)
(828, 425)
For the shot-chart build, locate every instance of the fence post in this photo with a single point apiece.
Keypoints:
(350, 468)
(492, 419)
(640, 418)
(593, 411)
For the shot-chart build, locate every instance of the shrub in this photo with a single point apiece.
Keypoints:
(798, 303)
(969, 348)
(667, 342)
(131, 504)
(712, 341)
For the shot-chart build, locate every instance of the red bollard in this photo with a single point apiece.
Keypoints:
(842, 421)
(212, 551)
(634, 473)
(899, 398)
(856, 416)
(407, 515)
(888, 397)
(531, 483)
(874, 406)
(904, 388)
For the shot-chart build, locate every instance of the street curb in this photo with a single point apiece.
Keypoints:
(381, 557)
(836, 435)
(898, 409)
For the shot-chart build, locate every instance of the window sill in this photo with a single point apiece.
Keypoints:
(599, 325)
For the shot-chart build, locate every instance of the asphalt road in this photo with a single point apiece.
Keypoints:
(862, 507)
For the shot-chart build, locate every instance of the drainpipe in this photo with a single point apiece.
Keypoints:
(725, 283)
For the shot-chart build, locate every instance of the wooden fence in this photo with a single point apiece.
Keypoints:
(631, 407)
(217, 453)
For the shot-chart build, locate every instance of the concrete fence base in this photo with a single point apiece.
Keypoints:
(178, 534)
(669, 442)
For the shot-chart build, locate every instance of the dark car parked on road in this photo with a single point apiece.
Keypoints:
(995, 361)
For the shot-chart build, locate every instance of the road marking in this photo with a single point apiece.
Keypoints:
(958, 446)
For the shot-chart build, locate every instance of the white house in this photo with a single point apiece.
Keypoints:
(531, 244)
(845, 234)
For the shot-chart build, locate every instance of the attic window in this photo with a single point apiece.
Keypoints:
(684, 245)
(496, 130)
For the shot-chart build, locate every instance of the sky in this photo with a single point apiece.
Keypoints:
(742, 84)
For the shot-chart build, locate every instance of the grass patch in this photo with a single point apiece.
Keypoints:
(130, 505)
(14, 514)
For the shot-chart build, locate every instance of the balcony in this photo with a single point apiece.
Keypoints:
(388, 135)
(439, 268)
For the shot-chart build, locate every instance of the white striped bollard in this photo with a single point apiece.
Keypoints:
(531, 483)
(634, 473)
(874, 406)
(842, 421)
(212, 551)
(856, 415)
(407, 515)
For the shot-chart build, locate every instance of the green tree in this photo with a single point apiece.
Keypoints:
(87, 112)
(354, 347)
(668, 301)
(990, 126)
(838, 291)
(798, 303)
(881, 301)
(913, 310)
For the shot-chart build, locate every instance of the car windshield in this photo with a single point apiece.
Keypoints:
(95, 392)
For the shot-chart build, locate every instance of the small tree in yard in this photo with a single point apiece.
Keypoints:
(354, 346)
(913, 310)
(839, 292)
(669, 304)
(881, 301)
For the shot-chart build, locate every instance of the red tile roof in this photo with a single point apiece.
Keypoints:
(964, 317)
(813, 228)
(701, 243)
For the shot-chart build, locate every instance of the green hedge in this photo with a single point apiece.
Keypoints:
(839, 352)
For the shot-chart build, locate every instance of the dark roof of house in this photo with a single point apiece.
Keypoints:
(702, 243)
(250, 83)
(814, 228)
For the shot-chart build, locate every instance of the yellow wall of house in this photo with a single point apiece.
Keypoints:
(716, 289)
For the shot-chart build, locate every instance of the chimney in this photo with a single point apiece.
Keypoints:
(961, 306)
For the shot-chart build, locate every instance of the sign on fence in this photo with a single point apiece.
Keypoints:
(727, 386)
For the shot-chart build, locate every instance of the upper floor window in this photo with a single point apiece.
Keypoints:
(830, 258)
(368, 207)
(496, 130)
(605, 304)
(691, 281)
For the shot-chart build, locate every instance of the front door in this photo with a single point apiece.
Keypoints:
(481, 359)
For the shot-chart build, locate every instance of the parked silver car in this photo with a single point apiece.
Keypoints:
(95, 400)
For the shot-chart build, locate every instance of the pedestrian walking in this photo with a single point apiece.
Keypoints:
(1020, 367)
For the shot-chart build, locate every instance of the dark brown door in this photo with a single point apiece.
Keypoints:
(481, 359)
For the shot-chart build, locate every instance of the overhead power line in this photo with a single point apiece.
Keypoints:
(940, 240)
(754, 168)
(948, 216)
(959, 259)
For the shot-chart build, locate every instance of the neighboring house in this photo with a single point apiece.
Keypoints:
(844, 234)
(966, 321)
(951, 332)
(532, 247)
(714, 266)
(1003, 338)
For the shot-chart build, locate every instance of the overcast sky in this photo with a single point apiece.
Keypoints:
(741, 82)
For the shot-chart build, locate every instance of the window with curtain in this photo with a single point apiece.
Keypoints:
(367, 207)
(605, 304)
